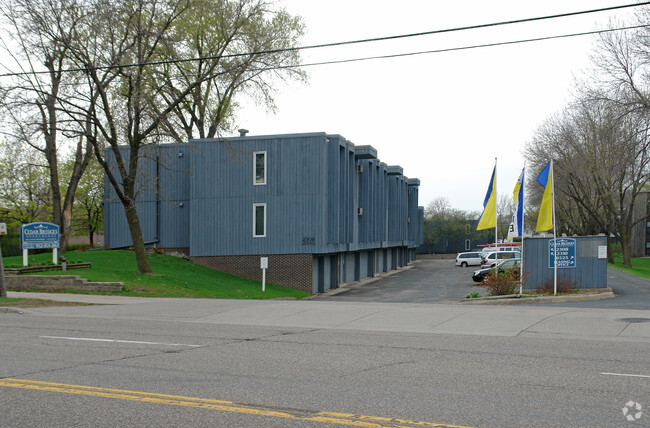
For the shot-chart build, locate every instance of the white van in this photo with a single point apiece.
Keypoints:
(468, 259)
(488, 250)
(494, 258)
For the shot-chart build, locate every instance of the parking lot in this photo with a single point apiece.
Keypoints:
(440, 281)
(425, 281)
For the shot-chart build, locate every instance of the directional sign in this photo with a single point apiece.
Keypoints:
(566, 253)
(39, 235)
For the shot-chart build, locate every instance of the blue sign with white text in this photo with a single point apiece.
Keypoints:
(39, 235)
(566, 253)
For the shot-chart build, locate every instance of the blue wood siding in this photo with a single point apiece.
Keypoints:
(162, 194)
(589, 271)
(200, 195)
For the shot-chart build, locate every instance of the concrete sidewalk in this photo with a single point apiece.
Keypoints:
(448, 319)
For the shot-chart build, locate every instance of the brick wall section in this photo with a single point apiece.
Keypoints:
(289, 270)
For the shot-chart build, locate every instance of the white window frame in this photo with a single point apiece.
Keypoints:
(467, 245)
(255, 182)
(255, 206)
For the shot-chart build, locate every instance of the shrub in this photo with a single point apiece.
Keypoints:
(503, 283)
(11, 245)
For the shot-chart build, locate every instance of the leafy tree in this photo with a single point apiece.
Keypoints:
(89, 210)
(442, 222)
(24, 186)
(248, 47)
(143, 77)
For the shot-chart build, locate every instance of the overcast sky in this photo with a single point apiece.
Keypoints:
(443, 117)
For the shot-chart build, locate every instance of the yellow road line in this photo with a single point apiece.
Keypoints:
(220, 405)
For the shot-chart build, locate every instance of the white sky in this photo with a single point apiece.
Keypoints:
(443, 117)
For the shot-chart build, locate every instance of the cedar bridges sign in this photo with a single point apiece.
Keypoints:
(39, 235)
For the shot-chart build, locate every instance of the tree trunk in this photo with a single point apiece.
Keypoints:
(626, 245)
(610, 250)
(138, 242)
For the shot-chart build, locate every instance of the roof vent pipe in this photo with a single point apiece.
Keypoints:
(242, 132)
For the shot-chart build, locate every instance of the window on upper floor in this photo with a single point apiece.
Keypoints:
(259, 220)
(259, 168)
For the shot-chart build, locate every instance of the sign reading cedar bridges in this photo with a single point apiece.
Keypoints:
(566, 253)
(39, 235)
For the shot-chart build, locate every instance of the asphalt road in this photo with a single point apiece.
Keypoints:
(439, 281)
(393, 352)
(149, 368)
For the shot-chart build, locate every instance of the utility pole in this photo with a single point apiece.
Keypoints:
(3, 289)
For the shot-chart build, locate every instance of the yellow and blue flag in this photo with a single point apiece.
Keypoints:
(489, 217)
(545, 218)
(518, 198)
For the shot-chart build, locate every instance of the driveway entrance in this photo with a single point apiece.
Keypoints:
(426, 281)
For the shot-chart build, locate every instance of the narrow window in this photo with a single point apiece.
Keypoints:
(259, 168)
(467, 244)
(259, 220)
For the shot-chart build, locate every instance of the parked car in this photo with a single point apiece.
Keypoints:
(492, 259)
(468, 259)
(504, 266)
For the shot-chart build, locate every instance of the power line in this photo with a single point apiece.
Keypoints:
(434, 51)
(369, 40)
(460, 48)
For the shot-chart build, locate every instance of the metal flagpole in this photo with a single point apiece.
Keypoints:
(521, 232)
(496, 200)
(554, 232)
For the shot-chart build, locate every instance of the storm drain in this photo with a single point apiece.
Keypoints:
(634, 320)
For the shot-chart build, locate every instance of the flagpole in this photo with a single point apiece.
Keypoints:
(523, 220)
(554, 231)
(496, 203)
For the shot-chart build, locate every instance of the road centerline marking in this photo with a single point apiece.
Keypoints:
(625, 374)
(218, 405)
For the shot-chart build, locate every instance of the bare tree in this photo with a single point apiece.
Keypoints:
(601, 165)
(30, 107)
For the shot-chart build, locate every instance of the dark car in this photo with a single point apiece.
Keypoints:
(481, 274)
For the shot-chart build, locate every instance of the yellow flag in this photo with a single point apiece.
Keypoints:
(489, 217)
(545, 218)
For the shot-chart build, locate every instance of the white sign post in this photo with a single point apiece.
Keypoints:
(264, 264)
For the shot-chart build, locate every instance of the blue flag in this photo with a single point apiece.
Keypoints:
(518, 197)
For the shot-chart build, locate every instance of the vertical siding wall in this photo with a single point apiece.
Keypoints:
(589, 271)
(162, 193)
(223, 194)
(325, 198)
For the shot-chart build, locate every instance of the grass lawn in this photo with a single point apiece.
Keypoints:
(640, 266)
(173, 276)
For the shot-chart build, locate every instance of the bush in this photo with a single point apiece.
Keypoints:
(11, 245)
(503, 284)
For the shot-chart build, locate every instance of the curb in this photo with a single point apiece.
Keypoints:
(8, 310)
(516, 299)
